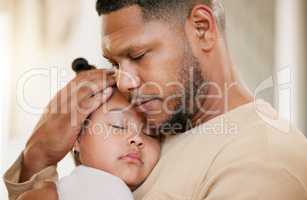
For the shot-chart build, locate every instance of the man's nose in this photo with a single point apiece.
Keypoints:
(128, 80)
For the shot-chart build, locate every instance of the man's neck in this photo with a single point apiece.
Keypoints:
(231, 96)
(224, 91)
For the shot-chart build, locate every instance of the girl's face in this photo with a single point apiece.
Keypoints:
(113, 141)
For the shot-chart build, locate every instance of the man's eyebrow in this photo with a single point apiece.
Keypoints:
(122, 50)
(120, 45)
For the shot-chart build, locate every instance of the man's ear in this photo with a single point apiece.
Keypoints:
(204, 26)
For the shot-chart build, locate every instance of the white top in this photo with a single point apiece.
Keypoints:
(88, 183)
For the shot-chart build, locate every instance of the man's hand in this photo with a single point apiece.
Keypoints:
(60, 125)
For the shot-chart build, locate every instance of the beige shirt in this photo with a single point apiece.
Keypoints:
(246, 154)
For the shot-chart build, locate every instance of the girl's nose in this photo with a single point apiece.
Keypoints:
(137, 140)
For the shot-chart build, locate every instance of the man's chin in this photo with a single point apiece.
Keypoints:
(155, 122)
(174, 124)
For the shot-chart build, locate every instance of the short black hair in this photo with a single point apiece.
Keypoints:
(108, 6)
(162, 9)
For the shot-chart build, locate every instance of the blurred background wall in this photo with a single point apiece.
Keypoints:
(251, 31)
(40, 38)
(291, 60)
(38, 41)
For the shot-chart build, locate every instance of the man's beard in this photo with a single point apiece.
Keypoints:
(192, 78)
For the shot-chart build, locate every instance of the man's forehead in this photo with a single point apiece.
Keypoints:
(122, 37)
(121, 26)
(124, 18)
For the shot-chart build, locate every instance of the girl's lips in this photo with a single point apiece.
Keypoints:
(132, 157)
(148, 106)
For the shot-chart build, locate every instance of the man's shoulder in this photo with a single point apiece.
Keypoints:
(209, 151)
(258, 128)
(265, 139)
(252, 132)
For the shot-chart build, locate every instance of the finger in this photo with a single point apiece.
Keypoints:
(72, 96)
(94, 74)
(88, 89)
(90, 105)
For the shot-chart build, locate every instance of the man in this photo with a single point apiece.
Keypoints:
(174, 66)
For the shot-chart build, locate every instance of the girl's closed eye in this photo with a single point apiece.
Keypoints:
(117, 126)
(117, 129)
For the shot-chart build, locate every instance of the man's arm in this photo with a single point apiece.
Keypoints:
(58, 129)
(16, 188)
(46, 192)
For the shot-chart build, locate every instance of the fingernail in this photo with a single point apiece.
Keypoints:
(110, 71)
(107, 91)
(112, 82)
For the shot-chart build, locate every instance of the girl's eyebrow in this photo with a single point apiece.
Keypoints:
(119, 112)
(116, 109)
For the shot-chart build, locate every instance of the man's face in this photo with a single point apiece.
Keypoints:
(156, 69)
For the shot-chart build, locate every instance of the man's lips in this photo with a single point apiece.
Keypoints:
(141, 101)
(134, 157)
(145, 105)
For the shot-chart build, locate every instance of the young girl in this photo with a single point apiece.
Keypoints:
(114, 157)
